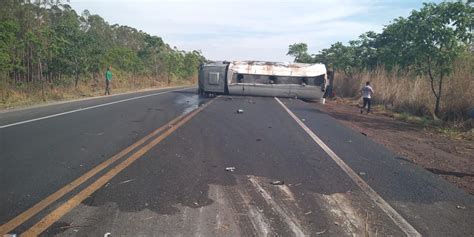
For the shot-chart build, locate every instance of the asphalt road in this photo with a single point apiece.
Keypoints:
(154, 164)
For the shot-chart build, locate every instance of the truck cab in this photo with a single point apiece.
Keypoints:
(212, 79)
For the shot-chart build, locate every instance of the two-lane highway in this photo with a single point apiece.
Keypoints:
(45, 148)
(154, 164)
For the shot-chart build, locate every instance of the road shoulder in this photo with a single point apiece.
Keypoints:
(451, 159)
(41, 104)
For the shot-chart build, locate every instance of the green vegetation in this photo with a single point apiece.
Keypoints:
(45, 46)
(430, 50)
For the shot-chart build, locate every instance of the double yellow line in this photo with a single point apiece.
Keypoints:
(55, 215)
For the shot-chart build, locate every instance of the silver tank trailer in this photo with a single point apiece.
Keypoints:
(257, 78)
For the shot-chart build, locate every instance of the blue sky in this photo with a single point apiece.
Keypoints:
(250, 29)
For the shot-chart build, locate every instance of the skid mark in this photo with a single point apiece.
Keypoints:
(259, 222)
(284, 213)
(344, 214)
(225, 221)
(287, 192)
(217, 219)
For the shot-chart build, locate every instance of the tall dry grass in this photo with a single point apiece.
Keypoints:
(28, 94)
(412, 94)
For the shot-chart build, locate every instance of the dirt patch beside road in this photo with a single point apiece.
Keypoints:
(452, 159)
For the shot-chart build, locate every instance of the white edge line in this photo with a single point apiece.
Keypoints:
(375, 197)
(87, 108)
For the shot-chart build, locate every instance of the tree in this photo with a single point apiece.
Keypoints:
(191, 63)
(438, 34)
(427, 42)
(300, 52)
(8, 29)
(339, 57)
(151, 52)
(365, 50)
(47, 41)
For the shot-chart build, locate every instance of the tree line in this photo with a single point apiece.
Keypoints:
(46, 41)
(427, 43)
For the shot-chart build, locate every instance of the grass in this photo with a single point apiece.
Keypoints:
(406, 92)
(450, 129)
(407, 97)
(423, 121)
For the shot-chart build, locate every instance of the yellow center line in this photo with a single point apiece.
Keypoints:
(24, 216)
(55, 215)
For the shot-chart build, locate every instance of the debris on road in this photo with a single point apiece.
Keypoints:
(460, 207)
(277, 182)
(307, 213)
(94, 134)
(362, 173)
(9, 235)
(107, 234)
(303, 120)
(321, 232)
(258, 139)
(126, 181)
(240, 111)
(231, 169)
(363, 133)
(71, 226)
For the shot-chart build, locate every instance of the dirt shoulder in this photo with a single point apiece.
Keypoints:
(452, 159)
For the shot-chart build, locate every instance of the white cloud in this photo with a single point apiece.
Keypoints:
(243, 29)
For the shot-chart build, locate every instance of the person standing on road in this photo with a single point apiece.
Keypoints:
(108, 78)
(367, 93)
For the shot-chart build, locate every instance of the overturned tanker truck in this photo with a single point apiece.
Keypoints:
(256, 78)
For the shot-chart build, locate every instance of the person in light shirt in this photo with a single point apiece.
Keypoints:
(367, 93)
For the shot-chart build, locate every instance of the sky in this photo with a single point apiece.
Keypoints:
(250, 29)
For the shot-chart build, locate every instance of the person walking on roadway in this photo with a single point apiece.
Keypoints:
(367, 93)
(108, 78)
